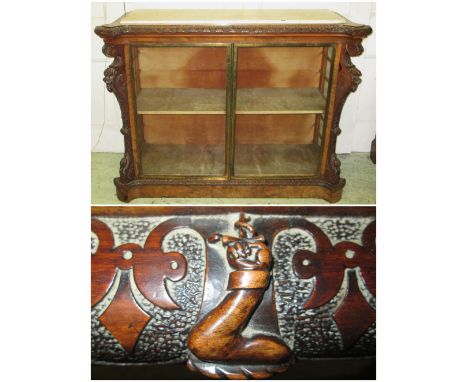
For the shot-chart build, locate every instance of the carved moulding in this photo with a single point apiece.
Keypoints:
(351, 29)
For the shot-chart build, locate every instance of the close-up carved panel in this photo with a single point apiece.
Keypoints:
(232, 292)
(147, 291)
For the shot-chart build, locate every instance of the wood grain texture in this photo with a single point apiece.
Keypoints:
(146, 210)
(153, 188)
(124, 318)
(354, 316)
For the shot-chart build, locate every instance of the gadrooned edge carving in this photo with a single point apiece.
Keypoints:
(349, 29)
(115, 80)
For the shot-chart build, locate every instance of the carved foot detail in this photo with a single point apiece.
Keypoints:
(233, 371)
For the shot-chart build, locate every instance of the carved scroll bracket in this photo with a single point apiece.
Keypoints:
(217, 344)
(349, 78)
(115, 80)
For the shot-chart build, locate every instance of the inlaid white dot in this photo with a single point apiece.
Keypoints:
(174, 265)
(305, 262)
(127, 255)
(350, 254)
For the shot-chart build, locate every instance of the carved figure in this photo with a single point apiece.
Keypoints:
(218, 336)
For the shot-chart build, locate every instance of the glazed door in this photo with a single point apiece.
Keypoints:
(281, 103)
(181, 109)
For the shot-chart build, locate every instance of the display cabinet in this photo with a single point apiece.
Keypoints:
(231, 103)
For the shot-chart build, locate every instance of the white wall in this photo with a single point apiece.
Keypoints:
(358, 118)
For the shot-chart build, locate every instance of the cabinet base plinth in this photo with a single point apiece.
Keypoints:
(159, 189)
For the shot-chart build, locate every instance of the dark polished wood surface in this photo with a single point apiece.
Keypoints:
(327, 369)
(233, 292)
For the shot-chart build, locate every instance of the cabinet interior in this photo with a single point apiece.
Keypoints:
(279, 104)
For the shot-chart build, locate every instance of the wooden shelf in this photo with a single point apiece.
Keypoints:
(213, 101)
(195, 160)
(276, 160)
(280, 101)
(181, 101)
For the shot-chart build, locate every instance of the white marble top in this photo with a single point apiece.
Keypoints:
(230, 16)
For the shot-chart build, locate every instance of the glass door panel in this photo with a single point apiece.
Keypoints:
(281, 98)
(181, 108)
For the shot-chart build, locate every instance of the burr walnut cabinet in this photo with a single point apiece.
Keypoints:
(231, 103)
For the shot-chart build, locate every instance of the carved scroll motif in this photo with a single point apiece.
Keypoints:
(217, 344)
(325, 310)
(327, 264)
(150, 268)
(115, 80)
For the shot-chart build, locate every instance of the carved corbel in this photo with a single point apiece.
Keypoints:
(115, 80)
(217, 344)
(349, 78)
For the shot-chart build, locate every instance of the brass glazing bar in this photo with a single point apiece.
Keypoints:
(229, 111)
(327, 119)
(282, 44)
(133, 87)
(180, 44)
(232, 114)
